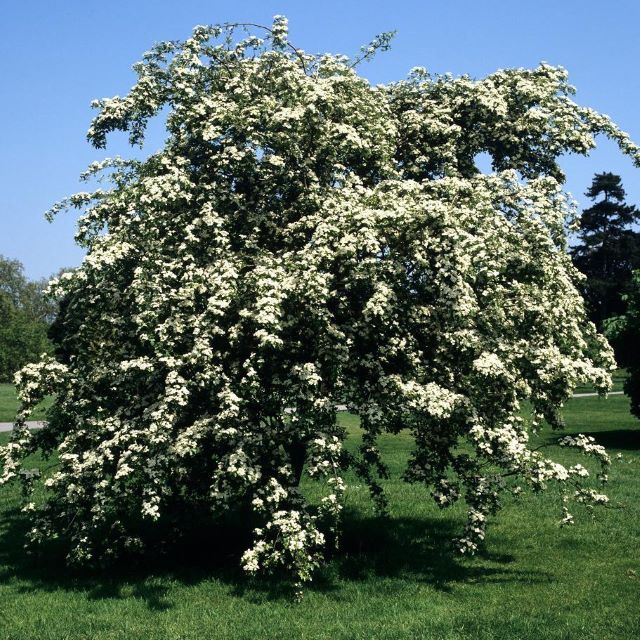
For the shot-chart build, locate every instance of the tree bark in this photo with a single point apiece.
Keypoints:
(297, 455)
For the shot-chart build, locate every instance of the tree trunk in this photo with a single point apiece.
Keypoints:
(297, 455)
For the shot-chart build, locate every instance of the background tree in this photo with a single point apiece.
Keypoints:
(25, 315)
(305, 238)
(609, 249)
(624, 329)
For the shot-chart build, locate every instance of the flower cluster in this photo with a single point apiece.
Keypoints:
(305, 239)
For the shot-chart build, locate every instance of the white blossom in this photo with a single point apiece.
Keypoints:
(305, 239)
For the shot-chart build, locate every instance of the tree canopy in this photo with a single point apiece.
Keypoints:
(304, 239)
(609, 248)
(25, 314)
(625, 329)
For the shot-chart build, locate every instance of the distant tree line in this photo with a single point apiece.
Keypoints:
(25, 317)
(608, 253)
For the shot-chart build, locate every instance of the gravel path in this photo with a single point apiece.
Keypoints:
(8, 426)
(593, 395)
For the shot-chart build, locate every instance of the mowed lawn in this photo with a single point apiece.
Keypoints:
(9, 404)
(393, 579)
(617, 377)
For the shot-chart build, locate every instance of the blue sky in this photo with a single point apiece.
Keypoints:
(55, 57)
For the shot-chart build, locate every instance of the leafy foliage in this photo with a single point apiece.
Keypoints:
(609, 249)
(25, 314)
(303, 239)
(625, 328)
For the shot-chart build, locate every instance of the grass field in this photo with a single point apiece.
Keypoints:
(9, 404)
(393, 579)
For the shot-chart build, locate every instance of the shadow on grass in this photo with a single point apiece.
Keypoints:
(197, 558)
(628, 439)
(613, 439)
(409, 549)
(418, 550)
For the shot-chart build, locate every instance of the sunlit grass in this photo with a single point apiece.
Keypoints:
(391, 579)
(9, 404)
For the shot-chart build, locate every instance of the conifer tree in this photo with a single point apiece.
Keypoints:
(609, 249)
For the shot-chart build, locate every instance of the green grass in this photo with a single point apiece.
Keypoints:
(395, 579)
(9, 404)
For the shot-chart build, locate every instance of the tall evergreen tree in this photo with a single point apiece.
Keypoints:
(609, 249)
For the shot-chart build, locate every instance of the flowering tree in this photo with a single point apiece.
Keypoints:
(304, 239)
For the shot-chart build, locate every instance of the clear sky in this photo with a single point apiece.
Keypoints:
(56, 56)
